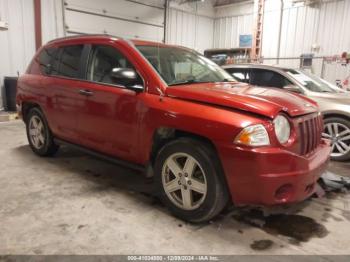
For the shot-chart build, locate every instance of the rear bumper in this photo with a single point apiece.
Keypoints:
(272, 176)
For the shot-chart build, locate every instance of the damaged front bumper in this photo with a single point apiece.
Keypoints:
(272, 176)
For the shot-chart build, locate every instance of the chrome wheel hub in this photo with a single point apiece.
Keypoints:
(339, 135)
(184, 181)
(36, 132)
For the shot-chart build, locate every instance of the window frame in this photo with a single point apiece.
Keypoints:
(87, 62)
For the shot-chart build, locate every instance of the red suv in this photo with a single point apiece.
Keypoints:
(176, 115)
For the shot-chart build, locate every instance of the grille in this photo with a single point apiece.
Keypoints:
(310, 131)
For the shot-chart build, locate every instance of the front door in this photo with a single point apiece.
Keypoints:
(109, 123)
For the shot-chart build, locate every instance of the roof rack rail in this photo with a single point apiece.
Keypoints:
(82, 35)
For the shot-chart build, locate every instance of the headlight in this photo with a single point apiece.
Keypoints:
(255, 135)
(282, 128)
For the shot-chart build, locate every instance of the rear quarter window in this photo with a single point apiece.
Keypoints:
(42, 62)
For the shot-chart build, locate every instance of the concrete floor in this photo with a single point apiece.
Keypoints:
(76, 204)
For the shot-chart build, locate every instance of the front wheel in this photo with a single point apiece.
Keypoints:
(190, 181)
(338, 131)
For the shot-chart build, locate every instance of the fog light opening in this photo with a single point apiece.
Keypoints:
(284, 193)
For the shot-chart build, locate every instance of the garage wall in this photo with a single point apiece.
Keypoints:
(304, 26)
(189, 29)
(125, 18)
(52, 19)
(232, 21)
(190, 25)
(17, 44)
(325, 25)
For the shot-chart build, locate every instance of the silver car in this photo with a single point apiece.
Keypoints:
(334, 102)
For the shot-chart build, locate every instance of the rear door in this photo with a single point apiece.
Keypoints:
(65, 103)
(109, 122)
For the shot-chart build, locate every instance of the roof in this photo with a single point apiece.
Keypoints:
(261, 66)
(107, 37)
(83, 37)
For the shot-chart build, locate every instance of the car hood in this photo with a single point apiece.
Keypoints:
(341, 98)
(263, 101)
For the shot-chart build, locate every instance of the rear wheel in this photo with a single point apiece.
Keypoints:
(338, 131)
(39, 135)
(190, 180)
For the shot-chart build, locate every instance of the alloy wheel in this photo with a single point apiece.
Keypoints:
(184, 181)
(339, 134)
(36, 132)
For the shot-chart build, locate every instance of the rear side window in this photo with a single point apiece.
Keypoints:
(67, 63)
(262, 77)
(45, 59)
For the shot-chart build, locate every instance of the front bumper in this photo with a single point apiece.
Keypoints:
(272, 176)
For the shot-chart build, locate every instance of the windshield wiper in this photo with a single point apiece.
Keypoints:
(190, 81)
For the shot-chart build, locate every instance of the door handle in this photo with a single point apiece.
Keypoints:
(86, 92)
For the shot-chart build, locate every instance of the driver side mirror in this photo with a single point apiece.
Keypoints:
(127, 77)
(293, 88)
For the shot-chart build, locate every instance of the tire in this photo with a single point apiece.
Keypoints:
(39, 135)
(205, 186)
(337, 129)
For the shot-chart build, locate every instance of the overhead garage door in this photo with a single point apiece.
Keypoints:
(124, 18)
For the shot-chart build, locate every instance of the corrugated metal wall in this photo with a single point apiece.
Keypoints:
(326, 25)
(191, 25)
(190, 30)
(230, 22)
(17, 44)
(52, 19)
(303, 26)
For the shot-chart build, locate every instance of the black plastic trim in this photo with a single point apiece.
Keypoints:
(102, 156)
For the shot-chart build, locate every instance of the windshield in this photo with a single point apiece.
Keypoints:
(312, 82)
(180, 66)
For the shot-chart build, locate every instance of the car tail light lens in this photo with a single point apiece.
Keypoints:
(255, 135)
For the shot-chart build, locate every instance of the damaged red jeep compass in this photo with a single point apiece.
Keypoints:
(168, 110)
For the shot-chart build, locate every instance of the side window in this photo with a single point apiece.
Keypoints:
(69, 61)
(55, 63)
(240, 75)
(262, 77)
(102, 61)
(45, 60)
